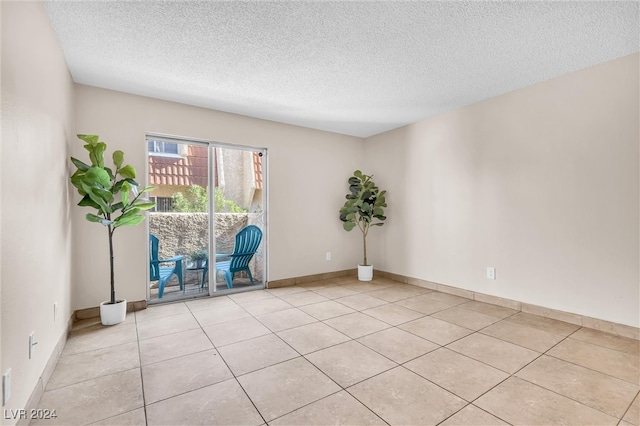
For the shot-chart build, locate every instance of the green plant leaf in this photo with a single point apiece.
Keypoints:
(110, 173)
(117, 186)
(130, 211)
(96, 154)
(348, 226)
(107, 196)
(145, 206)
(93, 218)
(90, 139)
(118, 158)
(96, 198)
(364, 204)
(128, 220)
(124, 192)
(76, 180)
(79, 164)
(128, 172)
(88, 202)
(97, 175)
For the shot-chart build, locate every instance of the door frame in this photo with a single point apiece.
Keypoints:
(212, 145)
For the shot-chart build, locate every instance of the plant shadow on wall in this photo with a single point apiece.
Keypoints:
(114, 194)
(364, 208)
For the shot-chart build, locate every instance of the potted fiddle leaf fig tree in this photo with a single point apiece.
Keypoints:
(364, 208)
(113, 195)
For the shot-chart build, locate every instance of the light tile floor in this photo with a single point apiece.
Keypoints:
(343, 352)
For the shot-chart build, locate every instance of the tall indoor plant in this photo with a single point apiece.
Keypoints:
(114, 194)
(364, 208)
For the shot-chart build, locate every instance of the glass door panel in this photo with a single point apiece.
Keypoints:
(238, 203)
(179, 225)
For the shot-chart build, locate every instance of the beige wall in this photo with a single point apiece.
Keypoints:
(37, 120)
(306, 180)
(541, 183)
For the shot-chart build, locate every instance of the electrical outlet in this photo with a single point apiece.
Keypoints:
(491, 273)
(32, 344)
(327, 256)
(6, 387)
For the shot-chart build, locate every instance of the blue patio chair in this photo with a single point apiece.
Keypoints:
(247, 242)
(162, 274)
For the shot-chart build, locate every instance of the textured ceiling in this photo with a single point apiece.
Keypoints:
(358, 68)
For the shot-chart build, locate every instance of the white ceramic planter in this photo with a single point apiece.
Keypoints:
(113, 314)
(365, 273)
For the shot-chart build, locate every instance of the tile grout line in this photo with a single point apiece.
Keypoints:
(391, 326)
(629, 407)
(341, 388)
(299, 356)
(235, 378)
(564, 339)
(584, 366)
(482, 409)
(180, 356)
(513, 375)
(321, 372)
(144, 401)
(510, 375)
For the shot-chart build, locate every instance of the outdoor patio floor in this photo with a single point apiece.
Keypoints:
(192, 288)
(343, 352)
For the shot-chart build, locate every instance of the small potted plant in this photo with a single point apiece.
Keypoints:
(113, 194)
(364, 208)
(198, 258)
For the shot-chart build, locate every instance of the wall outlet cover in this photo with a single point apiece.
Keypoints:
(491, 273)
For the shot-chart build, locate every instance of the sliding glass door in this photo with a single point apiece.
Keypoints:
(207, 234)
(239, 216)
